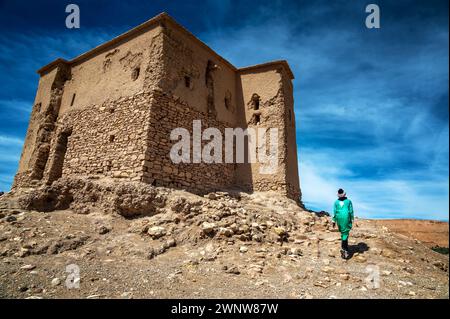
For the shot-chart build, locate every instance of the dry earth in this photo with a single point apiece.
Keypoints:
(430, 232)
(221, 245)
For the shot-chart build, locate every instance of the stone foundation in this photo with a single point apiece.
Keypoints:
(168, 113)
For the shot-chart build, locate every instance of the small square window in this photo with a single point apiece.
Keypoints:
(135, 73)
(254, 102)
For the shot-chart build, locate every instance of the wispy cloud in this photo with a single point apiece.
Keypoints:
(393, 196)
(10, 141)
(10, 149)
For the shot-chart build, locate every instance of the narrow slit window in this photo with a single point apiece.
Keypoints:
(187, 81)
(227, 100)
(73, 99)
(112, 138)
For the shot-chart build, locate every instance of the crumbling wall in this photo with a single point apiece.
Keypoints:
(265, 94)
(83, 196)
(111, 74)
(292, 175)
(197, 76)
(154, 72)
(107, 140)
(168, 113)
(108, 77)
(209, 81)
(41, 130)
(56, 163)
(42, 99)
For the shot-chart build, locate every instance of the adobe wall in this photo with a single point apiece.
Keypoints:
(168, 113)
(292, 176)
(116, 72)
(102, 79)
(273, 88)
(42, 98)
(41, 127)
(176, 104)
(184, 59)
(107, 140)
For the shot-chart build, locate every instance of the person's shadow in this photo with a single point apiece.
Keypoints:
(358, 248)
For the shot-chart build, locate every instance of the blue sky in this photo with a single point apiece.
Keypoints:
(371, 105)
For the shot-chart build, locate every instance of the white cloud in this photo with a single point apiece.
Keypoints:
(15, 105)
(394, 197)
(10, 141)
(10, 149)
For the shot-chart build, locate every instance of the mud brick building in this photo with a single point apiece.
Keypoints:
(109, 112)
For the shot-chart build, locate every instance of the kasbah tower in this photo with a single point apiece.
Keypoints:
(109, 113)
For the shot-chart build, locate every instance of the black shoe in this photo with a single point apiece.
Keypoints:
(346, 254)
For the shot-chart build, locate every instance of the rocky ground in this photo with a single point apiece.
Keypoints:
(134, 241)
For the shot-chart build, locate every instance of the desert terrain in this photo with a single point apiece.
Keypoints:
(135, 241)
(431, 233)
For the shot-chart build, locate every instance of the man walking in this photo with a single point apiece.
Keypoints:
(343, 216)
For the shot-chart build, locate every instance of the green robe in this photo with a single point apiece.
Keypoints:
(343, 216)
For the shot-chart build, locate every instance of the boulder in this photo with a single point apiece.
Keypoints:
(156, 232)
(208, 228)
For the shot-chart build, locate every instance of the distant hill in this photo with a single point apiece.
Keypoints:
(430, 232)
